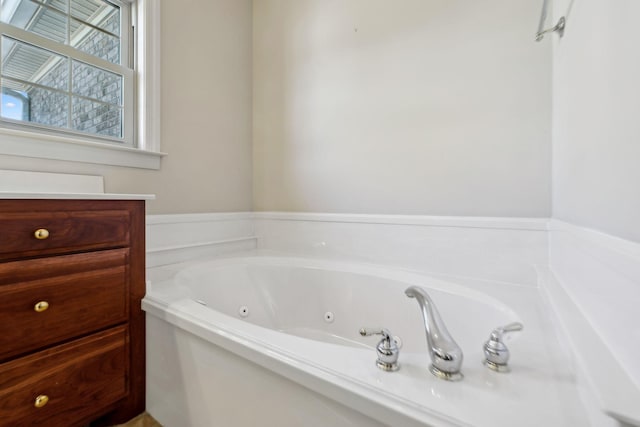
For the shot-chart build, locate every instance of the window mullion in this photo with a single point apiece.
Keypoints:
(1, 56)
(69, 96)
(70, 73)
(68, 22)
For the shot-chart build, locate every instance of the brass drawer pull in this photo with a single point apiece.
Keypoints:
(41, 306)
(41, 233)
(41, 400)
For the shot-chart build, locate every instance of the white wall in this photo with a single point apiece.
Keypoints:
(596, 115)
(414, 107)
(206, 114)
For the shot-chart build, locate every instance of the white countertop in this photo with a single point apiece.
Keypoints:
(75, 196)
(44, 185)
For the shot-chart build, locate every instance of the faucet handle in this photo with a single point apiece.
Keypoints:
(511, 327)
(367, 332)
(495, 351)
(387, 349)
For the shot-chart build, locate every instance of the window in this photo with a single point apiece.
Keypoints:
(21, 135)
(70, 60)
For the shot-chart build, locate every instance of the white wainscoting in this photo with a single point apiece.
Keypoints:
(177, 238)
(598, 284)
(499, 249)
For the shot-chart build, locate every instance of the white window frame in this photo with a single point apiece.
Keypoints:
(146, 154)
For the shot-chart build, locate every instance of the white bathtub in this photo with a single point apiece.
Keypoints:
(274, 341)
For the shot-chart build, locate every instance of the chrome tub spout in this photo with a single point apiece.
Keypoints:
(446, 355)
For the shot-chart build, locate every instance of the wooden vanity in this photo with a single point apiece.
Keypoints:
(72, 333)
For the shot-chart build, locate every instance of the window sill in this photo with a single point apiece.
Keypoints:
(26, 144)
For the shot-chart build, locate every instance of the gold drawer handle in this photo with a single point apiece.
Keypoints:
(41, 233)
(41, 400)
(41, 306)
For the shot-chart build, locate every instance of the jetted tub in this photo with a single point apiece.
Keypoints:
(273, 341)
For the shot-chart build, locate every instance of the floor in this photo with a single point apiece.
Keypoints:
(142, 420)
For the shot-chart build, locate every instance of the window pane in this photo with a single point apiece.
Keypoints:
(48, 107)
(97, 118)
(44, 106)
(95, 42)
(95, 28)
(98, 13)
(14, 104)
(98, 84)
(33, 17)
(35, 65)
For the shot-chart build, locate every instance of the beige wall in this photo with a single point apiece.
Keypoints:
(206, 114)
(412, 107)
(417, 107)
(596, 117)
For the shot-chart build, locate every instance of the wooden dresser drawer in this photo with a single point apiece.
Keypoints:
(79, 379)
(48, 300)
(65, 231)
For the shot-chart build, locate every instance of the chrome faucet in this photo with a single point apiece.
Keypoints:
(387, 349)
(446, 355)
(495, 351)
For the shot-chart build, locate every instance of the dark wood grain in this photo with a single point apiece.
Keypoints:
(79, 303)
(135, 402)
(39, 268)
(93, 286)
(80, 379)
(68, 232)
